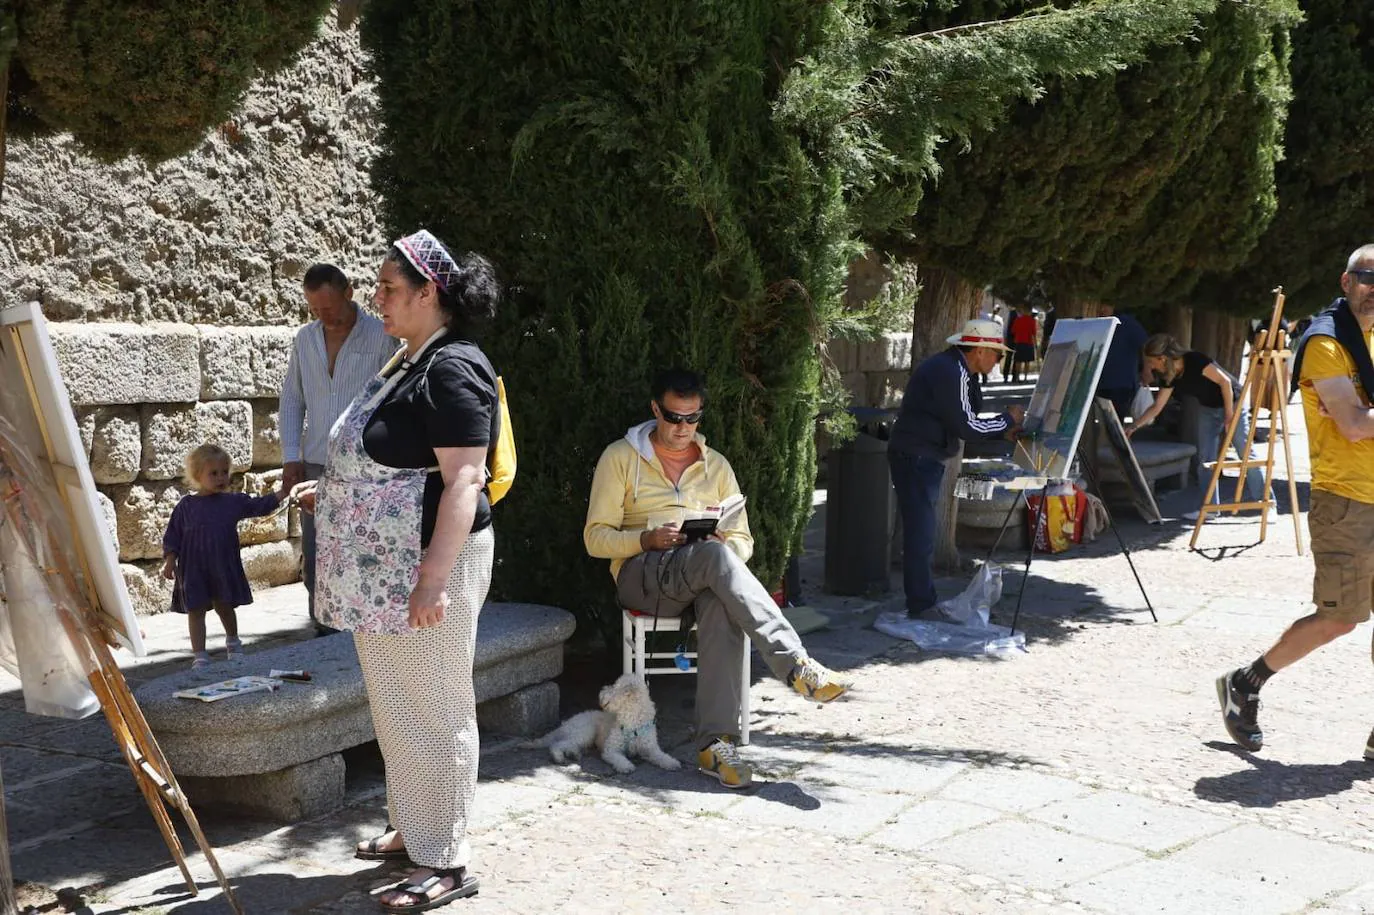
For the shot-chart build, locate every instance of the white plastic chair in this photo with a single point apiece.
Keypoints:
(635, 624)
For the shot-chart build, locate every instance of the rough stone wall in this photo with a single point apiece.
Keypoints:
(219, 236)
(173, 291)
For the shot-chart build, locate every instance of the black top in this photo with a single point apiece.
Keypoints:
(446, 400)
(1191, 381)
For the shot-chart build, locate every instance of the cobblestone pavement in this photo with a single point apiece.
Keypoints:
(1090, 774)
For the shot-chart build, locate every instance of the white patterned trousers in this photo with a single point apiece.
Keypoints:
(425, 713)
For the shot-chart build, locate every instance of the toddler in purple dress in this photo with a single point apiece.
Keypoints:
(201, 549)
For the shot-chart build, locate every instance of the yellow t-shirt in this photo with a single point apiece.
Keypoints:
(1339, 465)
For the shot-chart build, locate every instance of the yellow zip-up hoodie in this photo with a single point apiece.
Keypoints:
(630, 491)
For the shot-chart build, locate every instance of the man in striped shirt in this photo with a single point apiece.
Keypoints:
(332, 360)
(941, 408)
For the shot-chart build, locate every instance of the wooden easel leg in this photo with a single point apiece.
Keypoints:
(9, 905)
(155, 776)
(1282, 423)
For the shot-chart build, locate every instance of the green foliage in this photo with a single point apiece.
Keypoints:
(145, 76)
(1126, 187)
(682, 183)
(1326, 180)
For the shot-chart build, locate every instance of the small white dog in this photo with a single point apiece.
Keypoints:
(623, 726)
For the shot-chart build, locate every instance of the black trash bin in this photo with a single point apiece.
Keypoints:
(859, 510)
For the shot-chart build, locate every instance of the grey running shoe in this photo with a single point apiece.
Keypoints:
(1239, 712)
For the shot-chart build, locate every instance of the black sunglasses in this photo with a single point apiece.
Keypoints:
(1365, 277)
(675, 419)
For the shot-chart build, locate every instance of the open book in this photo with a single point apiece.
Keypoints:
(697, 525)
(225, 689)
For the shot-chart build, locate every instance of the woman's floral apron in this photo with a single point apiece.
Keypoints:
(367, 526)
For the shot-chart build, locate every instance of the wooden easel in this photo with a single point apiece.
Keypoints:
(1268, 360)
(91, 638)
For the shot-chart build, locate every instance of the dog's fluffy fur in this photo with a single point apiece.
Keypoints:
(623, 727)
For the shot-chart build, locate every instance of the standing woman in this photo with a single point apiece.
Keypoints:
(405, 555)
(1195, 374)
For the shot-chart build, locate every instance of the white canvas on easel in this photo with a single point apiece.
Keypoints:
(1063, 397)
(33, 363)
(49, 502)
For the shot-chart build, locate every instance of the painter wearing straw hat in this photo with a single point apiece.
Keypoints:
(942, 406)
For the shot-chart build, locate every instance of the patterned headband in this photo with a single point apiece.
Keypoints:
(429, 256)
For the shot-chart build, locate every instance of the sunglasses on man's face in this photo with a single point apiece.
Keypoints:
(677, 419)
(1363, 277)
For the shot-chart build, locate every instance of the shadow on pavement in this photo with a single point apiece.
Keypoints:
(1270, 783)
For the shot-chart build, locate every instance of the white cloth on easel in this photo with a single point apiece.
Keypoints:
(33, 645)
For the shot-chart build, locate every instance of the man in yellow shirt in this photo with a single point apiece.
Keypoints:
(643, 486)
(1335, 371)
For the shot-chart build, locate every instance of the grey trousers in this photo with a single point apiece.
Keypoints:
(312, 472)
(730, 605)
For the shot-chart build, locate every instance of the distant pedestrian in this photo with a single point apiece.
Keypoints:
(1024, 331)
(1121, 371)
(1051, 317)
(1335, 373)
(201, 550)
(332, 359)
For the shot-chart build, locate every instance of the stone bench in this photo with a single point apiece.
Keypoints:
(1165, 464)
(278, 754)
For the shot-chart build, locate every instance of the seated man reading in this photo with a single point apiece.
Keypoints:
(643, 486)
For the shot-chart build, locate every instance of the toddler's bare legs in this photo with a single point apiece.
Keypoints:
(195, 622)
(233, 648)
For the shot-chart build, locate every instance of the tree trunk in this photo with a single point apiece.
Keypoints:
(1230, 346)
(1076, 308)
(945, 302)
(1205, 333)
(1178, 323)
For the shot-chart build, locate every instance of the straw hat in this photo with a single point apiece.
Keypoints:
(980, 333)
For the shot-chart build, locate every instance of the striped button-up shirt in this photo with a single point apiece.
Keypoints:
(312, 399)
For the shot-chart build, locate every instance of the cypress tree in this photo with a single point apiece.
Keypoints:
(1126, 187)
(668, 183)
(139, 76)
(1326, 179)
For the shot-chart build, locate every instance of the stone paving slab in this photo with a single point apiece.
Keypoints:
(930, 821)
(1357, 900)
(1032, 855)
(1151, 887)
(1128, 819)
(1279, 860)
(892, 770)
(1010, 790)
(807, 805)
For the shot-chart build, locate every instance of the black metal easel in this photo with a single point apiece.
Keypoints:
(1035, 528)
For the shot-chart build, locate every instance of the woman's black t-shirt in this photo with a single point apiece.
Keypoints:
(1191, 381)
(446, 400)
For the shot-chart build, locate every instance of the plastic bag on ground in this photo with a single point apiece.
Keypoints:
(960, 625)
